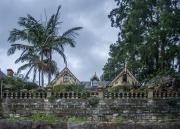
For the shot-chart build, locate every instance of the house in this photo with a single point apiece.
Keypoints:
(124, 78)
(95, 83)
(66, 77)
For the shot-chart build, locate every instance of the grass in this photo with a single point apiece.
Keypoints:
(45, 117)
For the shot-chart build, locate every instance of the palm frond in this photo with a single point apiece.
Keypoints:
(60, 52)
(16, 34)
(15, 47)
(23, 67)
(71, 33)
(28, 72)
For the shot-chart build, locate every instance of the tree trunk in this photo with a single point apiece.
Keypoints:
(49, 74)
(42, 73)
(39, 77)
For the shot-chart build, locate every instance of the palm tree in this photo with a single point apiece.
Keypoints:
(55, 42)
(43, 40)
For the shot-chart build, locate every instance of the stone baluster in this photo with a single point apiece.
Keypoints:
(11, 95)
(110, 95)
(16, 95)
(39, 95)
(25, 95)
(20, 95)
(176, 95)
(7, 94)
(72, 95)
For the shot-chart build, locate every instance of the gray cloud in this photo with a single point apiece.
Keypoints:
(91, 51)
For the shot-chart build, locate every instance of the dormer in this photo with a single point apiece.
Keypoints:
(94, 81)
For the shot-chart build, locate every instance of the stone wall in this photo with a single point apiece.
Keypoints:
(5, 124)
(140, 106)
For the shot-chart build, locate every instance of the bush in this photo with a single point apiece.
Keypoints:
(93, 101)
(115, 89)
(45, 117)
(69, 88)
(17, 84)
(52, 98)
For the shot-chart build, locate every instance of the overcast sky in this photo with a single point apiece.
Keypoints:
(91, 51)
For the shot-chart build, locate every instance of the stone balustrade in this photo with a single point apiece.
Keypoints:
(105, 95)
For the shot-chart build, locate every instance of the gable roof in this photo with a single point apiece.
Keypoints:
(62, 72)
(121, 73)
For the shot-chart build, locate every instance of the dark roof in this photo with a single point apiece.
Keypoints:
(87, 84)
(2, 75)
(94, 77)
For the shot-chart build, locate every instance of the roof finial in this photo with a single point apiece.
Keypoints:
(125, 67)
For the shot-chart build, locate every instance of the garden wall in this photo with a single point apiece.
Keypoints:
(135, 106)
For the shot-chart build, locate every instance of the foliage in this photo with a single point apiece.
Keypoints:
(116, 89)
(69, 88)
(52, 98)
(41, 40)
(148, 39)
(164, 80)
(77, 119)
(93, 101)
(45, 117)
(17, 84)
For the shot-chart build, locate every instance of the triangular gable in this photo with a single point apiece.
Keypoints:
(62, 72)
(120, 74)
(66, 68)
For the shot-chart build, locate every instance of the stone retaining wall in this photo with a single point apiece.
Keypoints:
(5, 124)
(107, 109)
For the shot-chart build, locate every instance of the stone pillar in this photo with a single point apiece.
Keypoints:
(100, 94)
(150, 94)
(49, 93)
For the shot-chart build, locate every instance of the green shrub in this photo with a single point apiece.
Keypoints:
(45, 117)
(124, 88)
(93, 101)
(69, 88)
(17, 84)
(52, 98)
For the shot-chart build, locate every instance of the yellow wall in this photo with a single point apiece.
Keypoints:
(118, 82)
(71, 80)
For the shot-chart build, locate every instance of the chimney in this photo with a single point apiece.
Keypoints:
(10, 72)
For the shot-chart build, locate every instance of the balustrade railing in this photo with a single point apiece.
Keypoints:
(105, 95)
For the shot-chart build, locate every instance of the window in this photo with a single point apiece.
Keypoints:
(65, 78)
(94, 83)
(124, 78)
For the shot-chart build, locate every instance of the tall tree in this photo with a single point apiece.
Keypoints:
(148, 39)
(42, 40)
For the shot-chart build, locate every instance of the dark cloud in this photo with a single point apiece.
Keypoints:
(91, 51)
